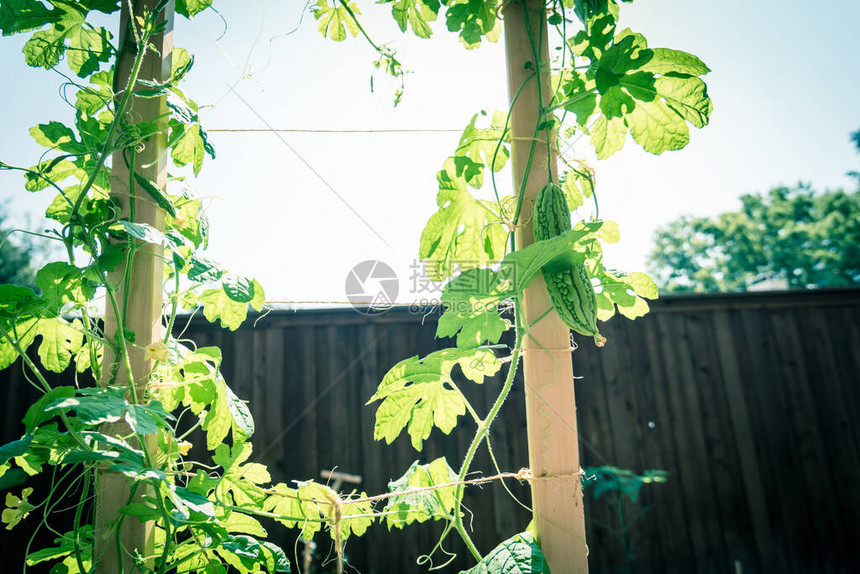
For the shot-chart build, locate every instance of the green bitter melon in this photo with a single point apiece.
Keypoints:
(570, 291)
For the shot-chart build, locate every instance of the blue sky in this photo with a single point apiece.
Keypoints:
(785, 86)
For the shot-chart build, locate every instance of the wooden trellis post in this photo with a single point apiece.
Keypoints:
(550, 405)
(144, 296)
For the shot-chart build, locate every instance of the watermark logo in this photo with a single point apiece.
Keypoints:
(372, 287)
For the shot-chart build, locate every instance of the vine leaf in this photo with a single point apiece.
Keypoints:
(519, 554)
(62, 284)
(420, 393)
(335, 21)
(84, 46)
(556, 253)
(240, 482)
(415, 13)
(60, 341)
(474, 20)
(190, 8)
(25, 15)
(477, 149)
(95, 406)
(465, 232)
(626, 292)
(17, 508)
(218, 305)
(472, 309)
(650, 93)
(410, 506)
(190, 144)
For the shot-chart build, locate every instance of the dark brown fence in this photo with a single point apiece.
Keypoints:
(750, 402)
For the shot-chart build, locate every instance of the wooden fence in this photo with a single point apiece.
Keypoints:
(751, 402)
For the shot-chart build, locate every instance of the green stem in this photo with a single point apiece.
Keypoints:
(174, 306)
(85, 489)
(132, 216)
(483, 430)
(502, 139)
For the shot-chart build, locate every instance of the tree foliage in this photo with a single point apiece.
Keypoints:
(16, 256)
(810, 239)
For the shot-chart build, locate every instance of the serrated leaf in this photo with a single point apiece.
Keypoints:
(463, 233)
(240, 482)
(203, 269)
(24, 15)
(554, 254)
(61, 284)
(652, 93)
(519, 554)
(480, 145)
(36, 413)
(44, 48)
(190, 147)
(17, 508)
(420, 393)
(472, 309)
(415, 13)
(24, 333)
(218, 306)
(335, 21)
(663, 61)
(87, 48)
(473, 20)
(60, 341)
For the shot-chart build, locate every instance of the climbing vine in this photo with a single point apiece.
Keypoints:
(606, 84)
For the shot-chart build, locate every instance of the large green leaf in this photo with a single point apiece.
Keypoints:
(415, 13)
(472, 309)
(25, 15)
(217, 304)
(240, 483)
(84, 46)
(479, 148)
(420, 393)
(519, 554)
(474, 20)
(60, 341)
(652, 94)
(464, 233)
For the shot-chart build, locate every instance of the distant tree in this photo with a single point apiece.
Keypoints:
(855, 137)
(16, 256)
(810, 239)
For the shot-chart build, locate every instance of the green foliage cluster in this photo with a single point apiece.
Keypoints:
(808, 239)
(607, 83)
(18, 255)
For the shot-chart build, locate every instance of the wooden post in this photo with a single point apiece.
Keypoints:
(551, 410)
(144, 308)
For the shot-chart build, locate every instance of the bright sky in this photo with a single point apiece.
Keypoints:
(785, 86)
